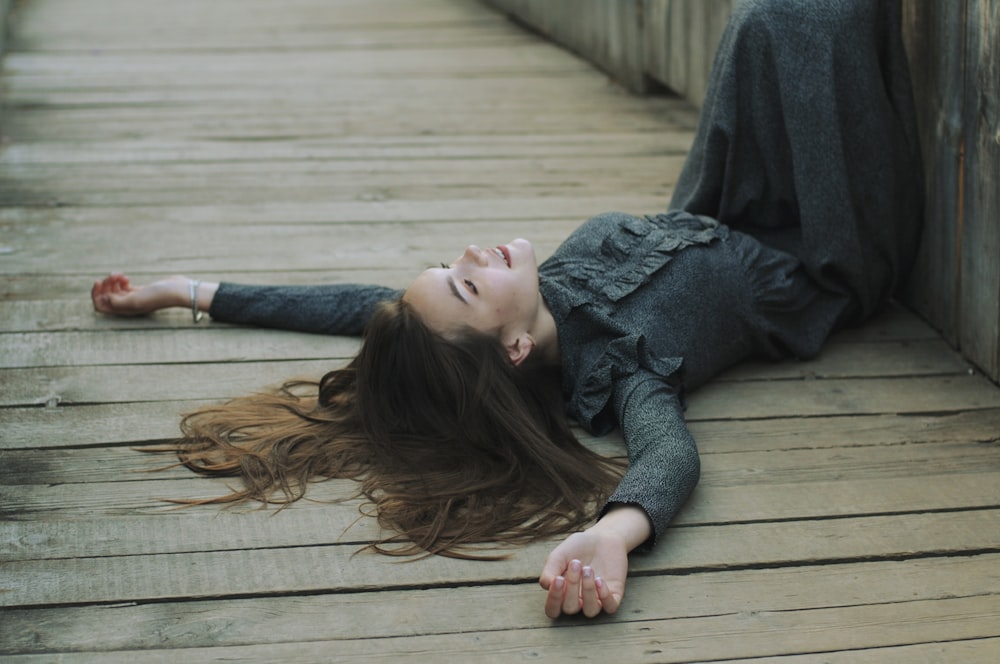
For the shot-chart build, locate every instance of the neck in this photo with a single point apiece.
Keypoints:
(546, 336)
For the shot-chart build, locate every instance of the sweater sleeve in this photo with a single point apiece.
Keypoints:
(663, 459)
(341, 309)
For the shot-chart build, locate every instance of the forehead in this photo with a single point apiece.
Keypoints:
(435, 300)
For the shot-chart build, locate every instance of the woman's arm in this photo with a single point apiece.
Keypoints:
(587, 572)
(324, 309)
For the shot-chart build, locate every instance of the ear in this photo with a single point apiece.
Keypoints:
(519, 349)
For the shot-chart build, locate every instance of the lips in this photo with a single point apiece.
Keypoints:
(504, 253)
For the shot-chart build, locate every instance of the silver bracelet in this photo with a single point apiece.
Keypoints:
(195, 314)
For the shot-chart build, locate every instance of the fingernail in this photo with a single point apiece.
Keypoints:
(560, 582)
(599, 582)
(575, 565)
(587, 572)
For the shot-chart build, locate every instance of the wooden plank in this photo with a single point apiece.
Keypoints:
(350, 149)
(124, 68)
(161, 176)
(513, 96)
(808, 495)
(132, 23)
(705, 638)
(228, 344)
(572, 211)
(118, 124)
(117, 383)
(730, 466)
(847, 360)
(842, 396)
(126, 423)
(332, 180)
(135, 423)
(971, 651)
(393, 614)
(284, 570)
(687, 547)
(935, 45)
(293, 245)
(549, 186)
(67, 385)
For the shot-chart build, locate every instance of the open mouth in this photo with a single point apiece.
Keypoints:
(503, 253)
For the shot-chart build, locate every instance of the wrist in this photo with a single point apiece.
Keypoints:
(628, 523)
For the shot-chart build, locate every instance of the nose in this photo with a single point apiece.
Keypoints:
(476, 255)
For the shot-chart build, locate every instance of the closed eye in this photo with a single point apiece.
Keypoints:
(471, 286)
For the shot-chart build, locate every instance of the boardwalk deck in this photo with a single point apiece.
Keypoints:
(849, 509)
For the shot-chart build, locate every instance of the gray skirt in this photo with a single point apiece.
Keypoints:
(808, 142)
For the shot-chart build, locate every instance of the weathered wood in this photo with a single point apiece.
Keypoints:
(732, 634)
(807, 496)
(283, 570)
(847, 502)
(64, 385)
(725, 465)
(607, 32)
(979, 316)
(970, 651)
(843, 396)
(136, 423)
(359, 615)
(680, 39)
(355, 246)
(956, 285)
(194, 530)
(352, 148)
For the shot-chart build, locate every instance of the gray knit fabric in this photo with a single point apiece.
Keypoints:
(650, 308)
(808, 140)
(329, 309)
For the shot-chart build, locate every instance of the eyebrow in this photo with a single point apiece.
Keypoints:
(454, 290)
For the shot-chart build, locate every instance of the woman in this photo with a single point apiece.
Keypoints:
(797, 212)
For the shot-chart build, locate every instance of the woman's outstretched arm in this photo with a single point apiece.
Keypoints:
(342, 309)
(587, 572)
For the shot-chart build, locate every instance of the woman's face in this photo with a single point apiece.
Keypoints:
(491, 290)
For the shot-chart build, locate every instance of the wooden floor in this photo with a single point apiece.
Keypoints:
(849, 509)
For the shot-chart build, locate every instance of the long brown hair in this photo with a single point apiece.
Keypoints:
(452, 444)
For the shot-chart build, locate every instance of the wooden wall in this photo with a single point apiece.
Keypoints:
(954, 48)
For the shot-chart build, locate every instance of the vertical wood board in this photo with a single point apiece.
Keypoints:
(979, 317)
(605, 32)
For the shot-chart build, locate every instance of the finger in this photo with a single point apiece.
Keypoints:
(120, 284)
(588, 593)
(609, 600)
(554, 599)
(555, 565)
(571, 600)
(95, 292)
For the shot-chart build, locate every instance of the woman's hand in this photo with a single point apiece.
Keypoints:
(115, 295)
(587, 572)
